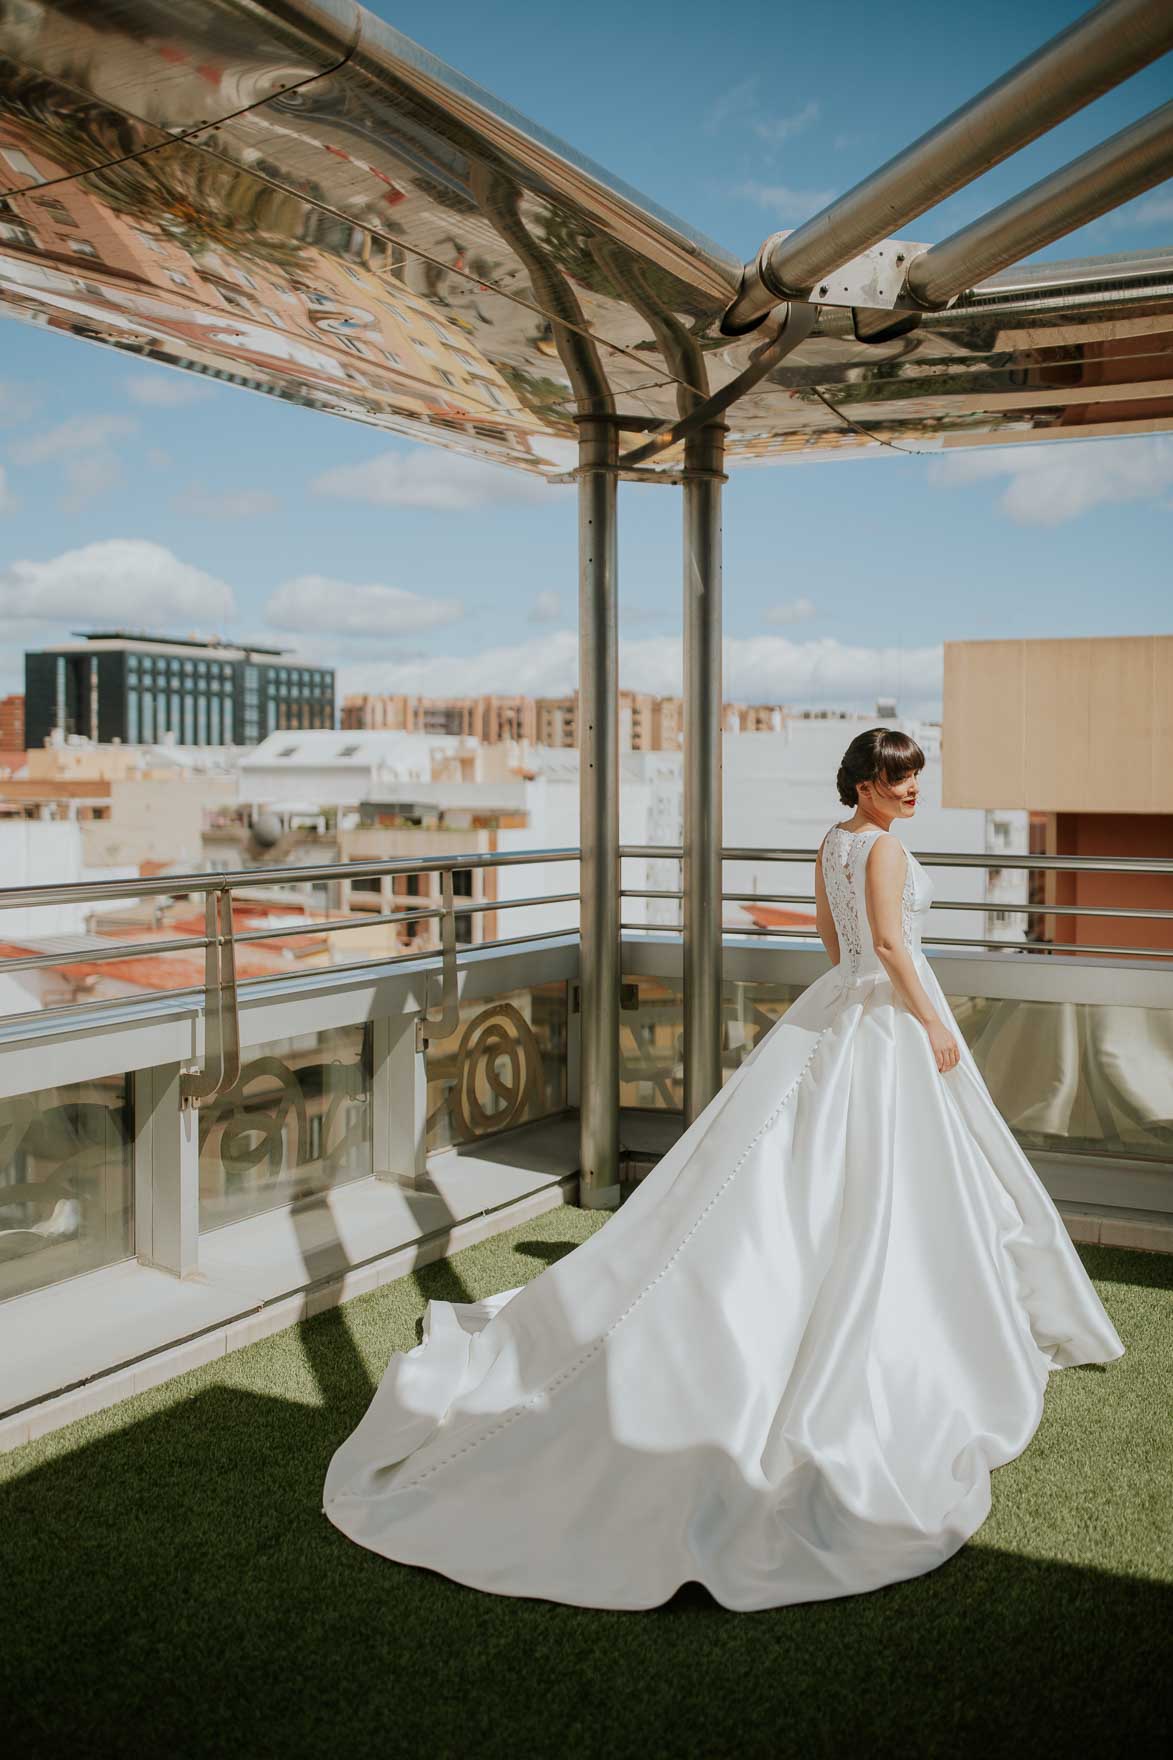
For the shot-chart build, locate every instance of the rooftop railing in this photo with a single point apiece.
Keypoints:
(221, 938)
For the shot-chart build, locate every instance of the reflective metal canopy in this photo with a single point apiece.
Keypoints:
(290, 195)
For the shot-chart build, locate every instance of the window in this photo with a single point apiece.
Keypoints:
(16, 234)
(20, 163)
(81, 247)
(492, 393)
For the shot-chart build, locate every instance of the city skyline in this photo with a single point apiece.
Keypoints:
(168, 499)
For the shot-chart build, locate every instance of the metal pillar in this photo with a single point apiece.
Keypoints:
(598, 748)
(701, 881)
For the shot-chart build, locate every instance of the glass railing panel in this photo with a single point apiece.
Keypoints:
(651, 1035)
(1082, 1077)
(296, 1123)
(504, 1065)
(66, 1183)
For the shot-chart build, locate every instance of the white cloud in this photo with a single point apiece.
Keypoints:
(736, 101)
(776, 129)
(432, 478)
(82, 447)
(546, 608)
(793, 611)
(315, 603)
(785, 202)
(120, 579)
(76, 434)
(1047, 484)
(165, 389)
(1155, 209)
(207, 503)
(756, 669)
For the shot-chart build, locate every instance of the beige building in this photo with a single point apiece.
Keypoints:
(1079, 731)
(647, 723)
(135, 810)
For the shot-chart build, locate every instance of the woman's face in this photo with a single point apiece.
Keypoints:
(897, 798)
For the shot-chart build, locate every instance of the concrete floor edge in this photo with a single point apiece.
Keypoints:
(101, 1391)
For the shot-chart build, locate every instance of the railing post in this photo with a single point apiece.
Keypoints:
(399, 1101)
(166, 1172)
(701, 880)
(598, 748)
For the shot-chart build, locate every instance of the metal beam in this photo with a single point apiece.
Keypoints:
(1091, 56)
(702, 877)
(598, 757)
(1115, 171)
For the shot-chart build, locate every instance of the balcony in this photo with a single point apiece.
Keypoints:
(187, 1169)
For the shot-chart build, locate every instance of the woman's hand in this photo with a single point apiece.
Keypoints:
(944, 1045)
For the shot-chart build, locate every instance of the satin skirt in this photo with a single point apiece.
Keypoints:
(784, 1368)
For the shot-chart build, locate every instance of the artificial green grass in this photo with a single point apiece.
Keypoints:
(170, 1586)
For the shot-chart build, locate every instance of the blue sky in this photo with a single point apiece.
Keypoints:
(842, 579)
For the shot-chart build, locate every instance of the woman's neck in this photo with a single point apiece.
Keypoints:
(867, 816)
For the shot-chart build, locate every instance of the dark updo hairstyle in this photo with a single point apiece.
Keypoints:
(879, 755)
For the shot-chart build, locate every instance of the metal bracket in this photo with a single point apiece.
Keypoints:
(439, 1026)
(794, 324)
(221, 1069)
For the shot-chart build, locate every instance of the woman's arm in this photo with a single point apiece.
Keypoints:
(887, 865)
(824, 921)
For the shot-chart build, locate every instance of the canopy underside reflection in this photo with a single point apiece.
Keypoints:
(303, 202)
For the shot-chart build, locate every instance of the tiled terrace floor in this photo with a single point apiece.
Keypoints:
(171, 1586)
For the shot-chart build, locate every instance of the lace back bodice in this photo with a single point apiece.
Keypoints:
(844, 864)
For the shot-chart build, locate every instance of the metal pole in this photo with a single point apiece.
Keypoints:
(598, 756)
(701, 879)
(1115, 171)
(1091, 56)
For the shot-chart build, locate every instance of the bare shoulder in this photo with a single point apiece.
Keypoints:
(887, 858)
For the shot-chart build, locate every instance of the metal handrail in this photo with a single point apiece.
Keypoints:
(937, 858)
(219, 940)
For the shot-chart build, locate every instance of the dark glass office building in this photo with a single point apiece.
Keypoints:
(142, 689)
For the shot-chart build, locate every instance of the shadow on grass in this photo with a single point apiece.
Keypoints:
(173, 1587)
(1126, 1265)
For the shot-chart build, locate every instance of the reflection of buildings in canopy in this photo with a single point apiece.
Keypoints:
(1093, 1073)
(362, 341)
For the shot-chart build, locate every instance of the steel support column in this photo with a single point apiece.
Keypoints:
(598, 749)
(701, 882)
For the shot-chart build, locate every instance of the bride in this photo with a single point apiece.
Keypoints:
(785, 1367)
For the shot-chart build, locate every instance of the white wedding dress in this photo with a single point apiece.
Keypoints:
(784, 1368)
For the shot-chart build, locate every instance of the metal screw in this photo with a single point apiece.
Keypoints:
(822, 290)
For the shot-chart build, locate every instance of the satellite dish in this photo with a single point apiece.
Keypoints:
(266, 830)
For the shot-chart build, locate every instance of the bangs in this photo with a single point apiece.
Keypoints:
(898, 756)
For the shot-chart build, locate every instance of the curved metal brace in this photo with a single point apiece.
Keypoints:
(221, 1069)
(797, 322)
